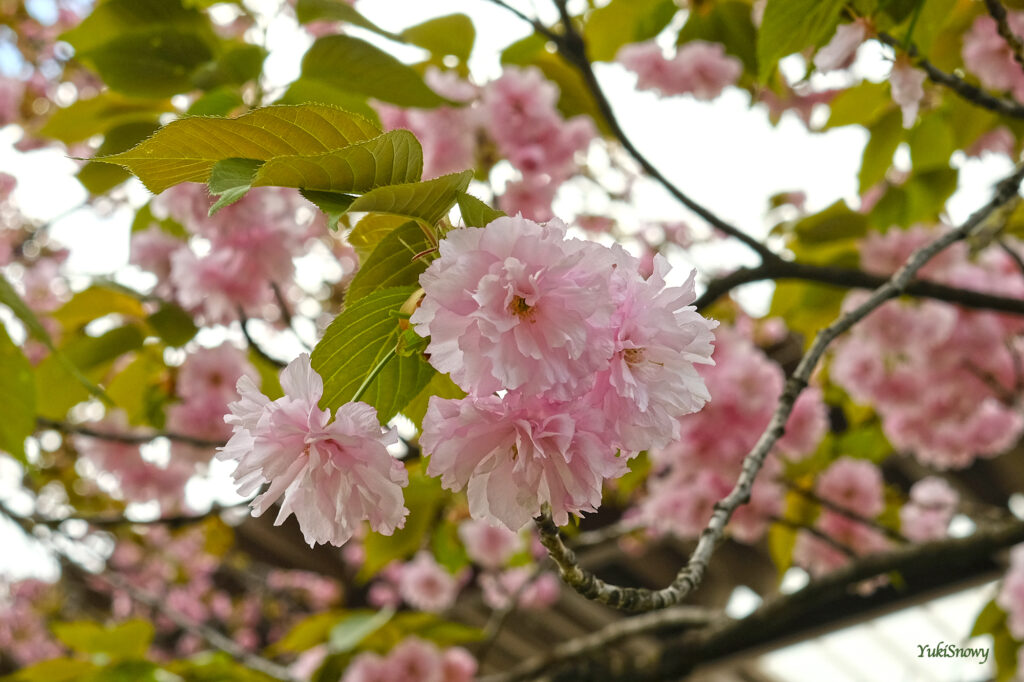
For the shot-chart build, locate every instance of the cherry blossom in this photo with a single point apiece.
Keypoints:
(699, 68)
(488, 545)
(331, 475)
(842, 49)
(988, 56)
(927, 514)
(907, 89)
(426, 585)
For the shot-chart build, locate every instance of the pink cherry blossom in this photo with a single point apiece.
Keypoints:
(853, 484)
(807, 424)
(842, 49)
(458, 665)
(531, 197)
(927, 514)
(426, 585)
(520, 584)
(907, 89)
(999, 140)
(213, 372)
(990, 58)
(699, 68)
(515, 305)
(820, 557)
(517, 453)
(488, 545)
(151, 250)
(331, 475)
(414, 660)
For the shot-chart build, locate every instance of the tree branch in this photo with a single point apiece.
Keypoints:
(126, 438)
(845, 512)
(691, 575)
(998, 12)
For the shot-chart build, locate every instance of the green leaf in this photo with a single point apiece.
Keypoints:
(931, 143)
(625, 21)
(86, 356)
(230, 179)
(333, 205)
(440, 385)
(54, 670)
(424, 626)
(172, 324)
(1004, 654)
(476, 213)
(355, 66)
(336, 10)
(860, 105)
(238, 65)
(728, 23)
(934, 15)
(355, 342)
(393, 158)
(95, 116)
(447, 547)
(218, 102)
(313, 91)
(886, 136)
(10, 298)
(187, 149)
(138, 387)
(452, 34)
(835, 223)
(126, 640)
(575, 97)
(792, 25)
(782, 537)
(353, 629)
(307, 633)
(148, 48)
(17, 397)
(368, 232)
(99, 178)
(94, 303)
(423, 498)
(392, 263)
(427, 201)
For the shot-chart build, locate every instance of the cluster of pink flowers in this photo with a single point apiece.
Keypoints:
(521, 585)
(413, 660)
(331, 474)
(990, 58)
(251, 246)
(517, 114)
(927, 513)
(698, 68)
(591, 359)
(702, 465)
(934, 371)
(25, 607)
(856, 486)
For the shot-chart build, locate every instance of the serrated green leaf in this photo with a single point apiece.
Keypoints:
(476, 213)
(95, 302)
(333, 205)
(423, 498)
(239, 64)
(126, 640)
(886, 135)
(230, 179)
(392, 263)
(625, 21)
(368, 232)
(728, 23)
(138, 386)
(452, 34)
(187, 149)
(95, 116)
(390, 159)
(312, 91)
(355, 342)
(355, 66)
(428, 201)
(99, 178)
(792, 25)
(17, 398)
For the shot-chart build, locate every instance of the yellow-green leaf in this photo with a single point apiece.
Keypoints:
(624, 21)
(428, 201)
(126, 640)
(452, 34)
(392, 263)
(17, 397)
(792, 25)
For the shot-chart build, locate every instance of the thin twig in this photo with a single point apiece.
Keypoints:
(998, 12)
(286, 315)
(243, 321)
(1012, 253)
(592, 538)
(845, 512)
(691, 575)
(126, 438)
(850, 552)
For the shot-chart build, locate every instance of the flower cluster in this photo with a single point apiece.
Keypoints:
(416, 660)
(331, 474)
(988, 56)
(936, 374)
(702, 465)
(590, 357)
(698, 68)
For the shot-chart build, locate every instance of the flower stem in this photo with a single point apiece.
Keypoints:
(373, 375)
